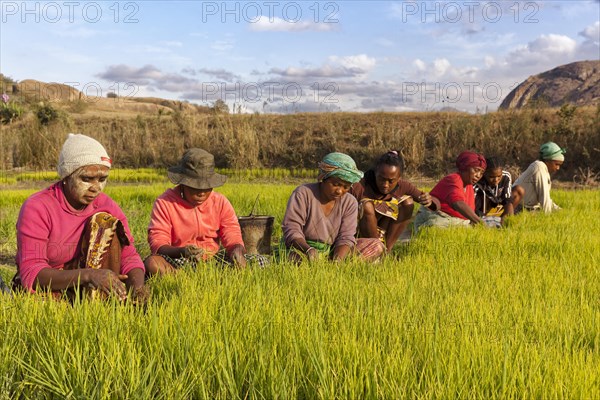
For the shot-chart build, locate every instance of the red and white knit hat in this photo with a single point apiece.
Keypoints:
(79, 151)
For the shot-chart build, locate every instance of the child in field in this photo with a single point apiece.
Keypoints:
(386, 202)
(189, 222)
(495, 196)
(321, 217)
(456, 195)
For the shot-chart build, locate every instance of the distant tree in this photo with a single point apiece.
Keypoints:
(220, 107)
(5, 83)
(111, 95)
(6, 79)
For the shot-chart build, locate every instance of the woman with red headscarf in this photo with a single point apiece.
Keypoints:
(456, 195)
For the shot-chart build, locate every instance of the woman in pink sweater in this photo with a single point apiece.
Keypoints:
(189, 222)
(73, 235)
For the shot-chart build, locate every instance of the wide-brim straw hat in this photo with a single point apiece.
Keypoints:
(196, 169)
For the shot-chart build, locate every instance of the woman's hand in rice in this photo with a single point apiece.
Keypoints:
(108, 282)
(236, 255)
(193, 252)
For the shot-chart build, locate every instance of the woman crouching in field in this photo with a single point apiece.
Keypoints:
(456, 195)
(321, 218)
(73, 235)
(190, 221)
(536, 179)
(495, 196)
(386, 201)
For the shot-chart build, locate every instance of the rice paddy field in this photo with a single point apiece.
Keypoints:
(457, 313)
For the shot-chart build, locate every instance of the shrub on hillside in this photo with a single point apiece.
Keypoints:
(9, 111)
(46, 114)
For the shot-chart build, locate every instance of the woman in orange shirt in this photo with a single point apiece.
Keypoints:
(190, 222)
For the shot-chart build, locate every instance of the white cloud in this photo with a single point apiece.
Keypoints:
(503, 71)
(78, 30)
(552, 43)
(276, 24)
(170, 43)
(151, 49)
(201, 35)
(489, 61)
(359, 62)
(574, 10)
(125, 72)
(592, 32)
(79, 33)
(546, 50)
(467, 18)
(218, 73)
(352, 83)
(222, 45)
(590, 48)
(440, 67)
(356, 66)
(325, 71)
(384, 42)
(419, 65)
(73, 57)
(403, 9)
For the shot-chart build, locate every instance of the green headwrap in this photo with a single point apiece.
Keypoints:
(339, 165)
(552, 151)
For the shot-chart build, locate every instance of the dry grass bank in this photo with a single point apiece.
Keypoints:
(428, 141)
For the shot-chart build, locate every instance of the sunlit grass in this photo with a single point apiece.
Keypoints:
(458, 313)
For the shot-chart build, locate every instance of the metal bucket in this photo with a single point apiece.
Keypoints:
(256, 233)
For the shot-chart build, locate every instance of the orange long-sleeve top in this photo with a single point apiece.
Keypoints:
(175, 222)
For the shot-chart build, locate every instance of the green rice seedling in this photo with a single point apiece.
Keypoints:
(457, 313)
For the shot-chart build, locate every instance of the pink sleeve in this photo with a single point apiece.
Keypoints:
(159, 230)
(229, 227)
(33, 233)
(130, 259)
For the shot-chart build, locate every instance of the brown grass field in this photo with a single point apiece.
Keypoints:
(428, 141)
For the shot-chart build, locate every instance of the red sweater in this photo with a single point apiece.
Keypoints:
(49, 231)
(452, 189)
(175, 222)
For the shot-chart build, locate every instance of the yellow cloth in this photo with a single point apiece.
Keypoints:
(495, 211)
(387, 208)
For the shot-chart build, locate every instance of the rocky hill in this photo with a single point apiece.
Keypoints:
(577, 83)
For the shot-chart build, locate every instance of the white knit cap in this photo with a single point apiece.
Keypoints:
(78, 151)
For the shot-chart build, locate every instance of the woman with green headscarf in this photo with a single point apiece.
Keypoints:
(536, 179)
(321, 218)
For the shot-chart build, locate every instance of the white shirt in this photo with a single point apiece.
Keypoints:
(537, 184)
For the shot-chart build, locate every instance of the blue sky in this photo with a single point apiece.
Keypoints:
(286, 56)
